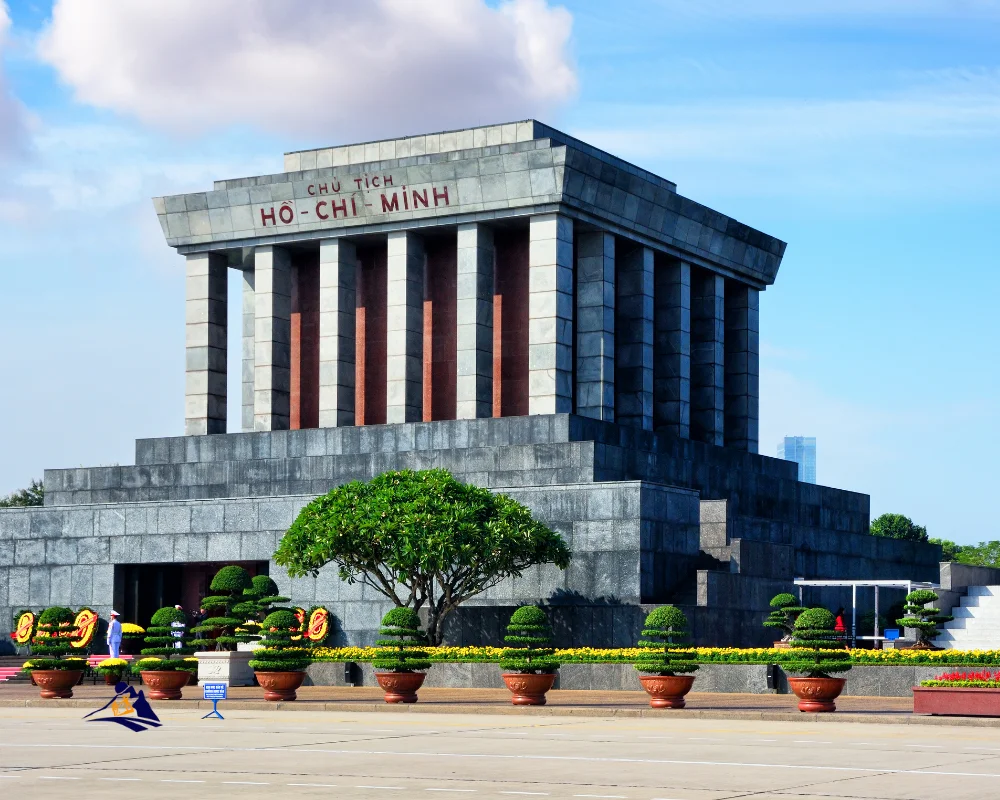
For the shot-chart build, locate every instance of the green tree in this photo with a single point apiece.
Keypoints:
(924, 619)
(256, 603)
(815, 640)
(786, 610)
(949, 550)
(897, 526)
(52, 644)
(166, 637)
(529, 640)
(422, 539)
(984, 554)
(34, 495)
(663, 633)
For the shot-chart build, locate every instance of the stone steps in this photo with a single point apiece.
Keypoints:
(976, 623)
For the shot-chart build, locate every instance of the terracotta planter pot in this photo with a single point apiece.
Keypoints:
(281, 685)
(400, 687)
(666, 691)
(165, 684)
(56, 683)
(964, 701)
(111, 678)
(817, 694)
(528, 689)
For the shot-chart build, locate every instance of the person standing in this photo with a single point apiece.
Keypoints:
(178, 630)
(114, 635)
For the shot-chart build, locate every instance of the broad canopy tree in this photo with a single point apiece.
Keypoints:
(422, 539)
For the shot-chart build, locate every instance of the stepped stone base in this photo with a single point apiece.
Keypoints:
(650, 519)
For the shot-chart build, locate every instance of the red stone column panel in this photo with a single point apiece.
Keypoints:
(440, 332)
(510, 323)
(370, 339)
(304, 393)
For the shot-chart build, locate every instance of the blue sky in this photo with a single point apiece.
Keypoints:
(865, 134)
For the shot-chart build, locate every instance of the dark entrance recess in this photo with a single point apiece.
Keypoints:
(142, 589)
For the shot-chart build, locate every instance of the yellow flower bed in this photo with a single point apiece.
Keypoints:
(705, 655)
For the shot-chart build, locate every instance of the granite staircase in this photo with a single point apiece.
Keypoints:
(976, 623)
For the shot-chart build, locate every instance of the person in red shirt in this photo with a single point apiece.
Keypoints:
(838, 626)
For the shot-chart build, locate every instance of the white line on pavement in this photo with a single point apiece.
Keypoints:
(607, 796)
(400, 788)
(178, 780)
(449, 790)
(540, 794)
(248, 783)
(57, 778)
(527, 757)
(119, 779)
(925, 745)
(316, 785)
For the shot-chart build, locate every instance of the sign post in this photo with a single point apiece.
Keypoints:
(215, 692)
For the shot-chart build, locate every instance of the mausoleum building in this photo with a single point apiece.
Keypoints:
(508, 303)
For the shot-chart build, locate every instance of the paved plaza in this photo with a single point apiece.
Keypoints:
(51, 752)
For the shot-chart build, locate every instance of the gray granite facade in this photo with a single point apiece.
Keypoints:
(633, 505)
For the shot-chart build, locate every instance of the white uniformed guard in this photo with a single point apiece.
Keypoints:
(114, 635)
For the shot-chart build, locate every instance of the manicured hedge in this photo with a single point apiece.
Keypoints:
(703, 655)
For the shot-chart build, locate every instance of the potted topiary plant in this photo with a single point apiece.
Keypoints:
(166, 637)
(52, 668)
(218, 659)
(923, 619)
(401, 657)
(662, 662)
(258, 601)
(529, 670)
(112, 670)
(278, 664)
(786, 610)
(814, 686)
(132, 638)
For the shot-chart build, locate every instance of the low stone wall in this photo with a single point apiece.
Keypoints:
(863, 681)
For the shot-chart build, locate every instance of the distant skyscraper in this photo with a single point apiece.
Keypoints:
(801, 450)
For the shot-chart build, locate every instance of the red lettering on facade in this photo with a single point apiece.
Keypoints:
(422, 197)
(322, 188)
(375, 181)
(406, 199)
(319, 213)
(310, 189)
(387, 180)
(341, 209)
(335, 186)
(358, 181)
(442, 195)
(266, 215)
(354, 208)
(286, 213)
(393, 206)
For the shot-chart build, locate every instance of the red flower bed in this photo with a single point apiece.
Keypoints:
(983, 679)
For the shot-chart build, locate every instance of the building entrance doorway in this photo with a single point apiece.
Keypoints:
(143, 589)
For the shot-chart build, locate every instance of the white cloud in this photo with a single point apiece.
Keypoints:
(11, 112)
(341, 70)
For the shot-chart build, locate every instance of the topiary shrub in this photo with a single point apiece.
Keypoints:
(52, 644)
(162, 641)
(228, 586)
(922, 619)
(278, 653)
(786, 611)
(663, 631)
(818, 657)
(531, 635)
(257, 602)
(401, 643)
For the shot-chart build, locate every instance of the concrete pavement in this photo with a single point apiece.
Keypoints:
(51, 752)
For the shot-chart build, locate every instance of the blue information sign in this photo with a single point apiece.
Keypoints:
(214, 692)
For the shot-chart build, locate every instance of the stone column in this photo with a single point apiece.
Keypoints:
(474, 328)
(404, 328)
(595, 325)
(707, 356)
(249, 317)
(550, 314)
(272, 338)
(634, 339)
(742, 366)
(672, 349)
(205, 334)
(337, 332)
